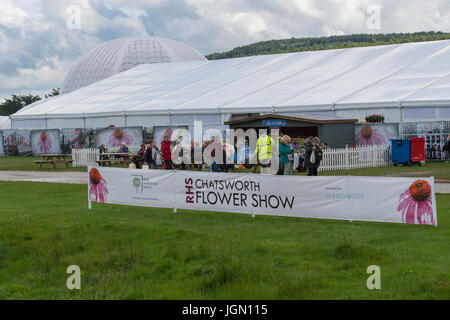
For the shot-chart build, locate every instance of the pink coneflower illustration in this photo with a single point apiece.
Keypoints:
(119, 136)
(416, 203)
(45, 142)
(369, 136)
(97, 186)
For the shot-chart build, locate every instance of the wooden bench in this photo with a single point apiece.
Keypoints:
(53, 162)
(41, 162)
(103, 162)
(110, 162)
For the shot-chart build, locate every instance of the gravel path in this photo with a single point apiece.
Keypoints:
(45, 176)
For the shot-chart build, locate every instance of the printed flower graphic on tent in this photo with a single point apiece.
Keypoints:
(45, 142)
(118, 136)
(97, 186)
(369, 136)
(78, 139)
(416, 204)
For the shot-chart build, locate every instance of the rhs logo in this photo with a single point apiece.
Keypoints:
(138, 183)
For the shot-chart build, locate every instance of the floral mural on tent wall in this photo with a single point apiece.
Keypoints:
(114, 137)
(45, 142)
(370, 135)
(98, 188)
(415, 203)
(118, 136)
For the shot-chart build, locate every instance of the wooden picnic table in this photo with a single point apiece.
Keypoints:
(115, 157)
(53, 158)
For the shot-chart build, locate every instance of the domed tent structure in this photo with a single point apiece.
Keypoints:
(122, 54)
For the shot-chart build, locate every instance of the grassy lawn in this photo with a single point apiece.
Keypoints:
(27, 164)
(440, 170)
(135, 252)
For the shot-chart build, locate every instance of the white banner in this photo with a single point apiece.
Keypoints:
(382, 199)
(149, 188)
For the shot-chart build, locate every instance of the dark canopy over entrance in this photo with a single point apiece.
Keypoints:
(335, 131)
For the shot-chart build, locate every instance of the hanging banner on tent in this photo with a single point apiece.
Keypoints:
(76, 139)
(375, 133)
(45, 141)
(23, 141)
(9, 142)
(2, 151)
(160, 132)
(114, 137)
(16, 142)
(382, 199)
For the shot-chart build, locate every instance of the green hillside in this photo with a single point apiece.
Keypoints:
(323, 43)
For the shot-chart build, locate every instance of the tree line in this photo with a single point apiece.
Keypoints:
(323, 43)
(17, 102)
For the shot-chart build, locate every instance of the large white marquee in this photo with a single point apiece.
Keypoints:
(404, 82)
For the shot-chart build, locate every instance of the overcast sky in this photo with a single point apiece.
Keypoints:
(40, 39)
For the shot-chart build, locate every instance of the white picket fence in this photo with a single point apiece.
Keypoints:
(89, 156)
(358, 157)
(85, 157)
(333, 159)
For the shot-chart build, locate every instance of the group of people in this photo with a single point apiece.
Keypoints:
(309, 154)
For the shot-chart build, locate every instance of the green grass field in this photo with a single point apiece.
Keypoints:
(144, 253)
(27, 164)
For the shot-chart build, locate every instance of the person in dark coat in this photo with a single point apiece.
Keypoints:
(313, 156)
(196, 147)
(139, 158)
(447, 148)
(149, 158)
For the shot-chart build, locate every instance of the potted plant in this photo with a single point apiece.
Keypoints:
(375, 118)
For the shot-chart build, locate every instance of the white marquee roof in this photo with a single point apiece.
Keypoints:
(5, 122)
(415, 74)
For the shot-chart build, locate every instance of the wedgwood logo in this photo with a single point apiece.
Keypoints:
(339, 195)
(345, 196)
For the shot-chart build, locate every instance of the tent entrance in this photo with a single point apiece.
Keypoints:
(300, 132)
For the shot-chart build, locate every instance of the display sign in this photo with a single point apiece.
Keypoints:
(274, 123)
(435, 134)
(382, 199)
